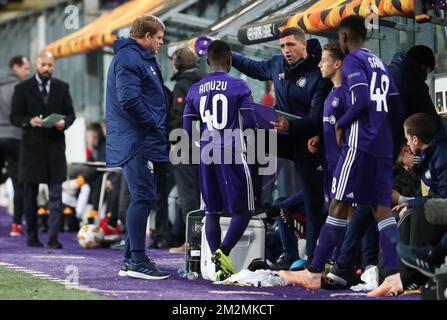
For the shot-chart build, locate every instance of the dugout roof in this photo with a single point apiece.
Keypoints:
(104, 30)
(320, 16)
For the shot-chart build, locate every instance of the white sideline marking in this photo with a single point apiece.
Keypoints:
(58, 281)
(348, 294)
(5, 264)
(119, 291)
(241, 292)
(44, 276)
(58, 257)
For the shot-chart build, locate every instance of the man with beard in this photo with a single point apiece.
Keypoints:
(42, 151)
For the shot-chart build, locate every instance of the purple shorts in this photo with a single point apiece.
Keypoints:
(226, 188)
(363, 179)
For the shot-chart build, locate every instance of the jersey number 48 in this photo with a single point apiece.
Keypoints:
(379, 95)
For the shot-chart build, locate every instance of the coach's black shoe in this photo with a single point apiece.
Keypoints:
(282, 263)
(339, 278)
(54, 244)
(33, 242)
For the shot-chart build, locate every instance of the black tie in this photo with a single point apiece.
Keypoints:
(44, 89)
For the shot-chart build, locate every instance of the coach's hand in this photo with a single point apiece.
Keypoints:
(60, 125)
(312, 144)
(36, 122)
(339, 135)
(400, 207)
(281, 126)
(395, 197)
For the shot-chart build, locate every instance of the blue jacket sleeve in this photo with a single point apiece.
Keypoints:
(128, 87)
(261, 70)
(312, 124)
(417, 201)
(441, 173)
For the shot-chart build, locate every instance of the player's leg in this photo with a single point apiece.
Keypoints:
(388, 232)
(331, 235)
(238, 225)
(212, 230)
(344, 183)
(238, 198)
(388, 238)
(212, 194)
(140, 178)
(209, 178)
(342, 275)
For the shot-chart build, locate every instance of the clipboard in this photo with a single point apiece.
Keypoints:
(286, 115)
(264, 115)
(53, 118)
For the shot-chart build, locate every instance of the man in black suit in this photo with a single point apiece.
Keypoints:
(42, 153)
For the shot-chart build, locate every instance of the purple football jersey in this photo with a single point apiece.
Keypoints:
(373, 133)
(223, 103)
(220, 102)
(334, 108)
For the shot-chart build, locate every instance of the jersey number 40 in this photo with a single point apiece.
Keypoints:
(211, 119)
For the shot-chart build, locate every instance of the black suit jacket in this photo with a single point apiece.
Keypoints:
(42, 153)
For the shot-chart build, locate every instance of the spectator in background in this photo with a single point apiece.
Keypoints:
(269, 96)
(42, 152)
(184, 62)
(10, 136)
(81, 174)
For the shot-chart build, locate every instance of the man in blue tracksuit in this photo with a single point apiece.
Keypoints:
(424, 141)
(410, 71)
(137, 132)
(299, 90)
